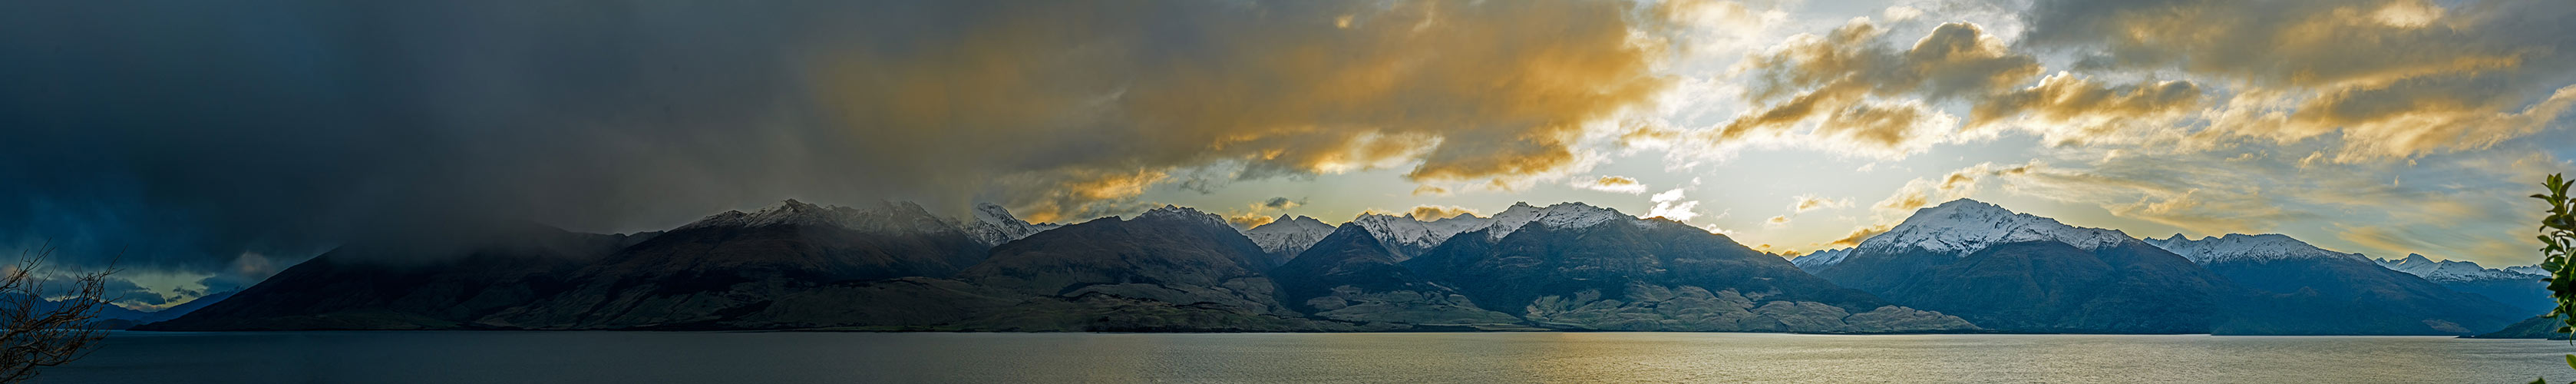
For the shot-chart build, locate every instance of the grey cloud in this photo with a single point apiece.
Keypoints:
(2396, 78)
(195, 133)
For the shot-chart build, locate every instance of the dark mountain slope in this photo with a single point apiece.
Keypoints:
(2294, 288)
(407, 285)
(1170, 254)
(1582, 267)
(735, 262)
(1350, 275)
(2046, 286)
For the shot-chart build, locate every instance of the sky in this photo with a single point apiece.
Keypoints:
(202, 146)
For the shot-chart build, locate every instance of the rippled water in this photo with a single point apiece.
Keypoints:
(623, 357)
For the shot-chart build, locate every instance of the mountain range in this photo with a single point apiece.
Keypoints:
(2020, 272)
(2520, 286)
(111, 316)
(1962, 266)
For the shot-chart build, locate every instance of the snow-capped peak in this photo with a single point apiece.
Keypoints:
(2241, 247)
(1289, 235)
(1403, 235)
(1561, 215)
(1961, 227)
(784, 212)
(1821, 258)
(2455, 270)
(1183, 214)
(994, 225)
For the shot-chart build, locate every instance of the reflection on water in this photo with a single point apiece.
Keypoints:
(622, 357)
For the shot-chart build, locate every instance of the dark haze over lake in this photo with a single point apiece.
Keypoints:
(791, 357)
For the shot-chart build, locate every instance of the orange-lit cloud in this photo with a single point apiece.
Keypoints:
(1919, 193)
(1812, 202)
(1463, 91)
(1620, 184)
(2065, 108)
(1434, 212)
(1249, 220)
(1261, 212)
(1858, 234)
(1830, 81)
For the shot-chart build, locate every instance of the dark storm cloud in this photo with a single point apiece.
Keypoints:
(189, 132)
(199, 136)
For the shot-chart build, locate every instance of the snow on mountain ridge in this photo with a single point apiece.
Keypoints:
(2456, 270)
(1964, 226)
(1289, 235)
(2242, 247)
(994, 225)
(784, 212)
(1561, 215)
(1185, 214)
(1411, 233)
(1401, 231)
(1821, 258)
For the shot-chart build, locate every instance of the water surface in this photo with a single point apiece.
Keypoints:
(789, 357)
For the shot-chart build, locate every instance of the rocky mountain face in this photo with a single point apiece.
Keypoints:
(2297, 288)
(1351, 275)
(2517, 286)
(2017, 272)
(1169, 254)
(1574, 266)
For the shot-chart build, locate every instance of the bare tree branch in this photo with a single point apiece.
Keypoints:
(36, 332)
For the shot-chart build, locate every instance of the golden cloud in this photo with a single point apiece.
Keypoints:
(1862, 95)
(1812, 202)
(1620, 184)
(1074, 100)
(1434, 212)
(2064, 108)
(1249, 220)
(1859, 234)
(2388, 79)
(1078, 193)
(1962, 183)
(1258, 213)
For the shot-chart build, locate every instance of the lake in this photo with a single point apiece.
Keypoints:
(798, 357)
